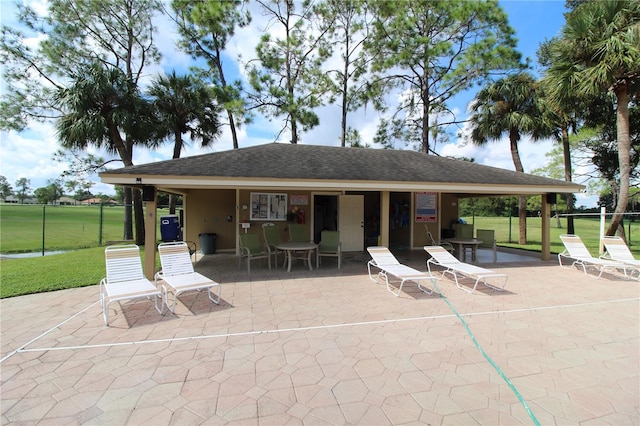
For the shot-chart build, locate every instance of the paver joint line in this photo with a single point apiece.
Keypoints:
(23, 348)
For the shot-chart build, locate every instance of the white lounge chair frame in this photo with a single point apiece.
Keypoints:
(577, 253)
(125, 279)
(386, 262)
(455, 268)
(618, 251)
(178, 276)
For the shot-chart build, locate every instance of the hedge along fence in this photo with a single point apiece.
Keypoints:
(26, 228)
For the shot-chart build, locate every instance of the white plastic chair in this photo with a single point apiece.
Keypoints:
(576, 252)
(125, 279)
(454, 267)
(386, 262)
(617, 250)
(178, 275)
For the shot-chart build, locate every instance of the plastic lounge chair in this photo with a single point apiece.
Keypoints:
(125, 279)
(329, 246)
(178, 275)
(577, 252)
(272, 239)
(618, 251)
(387, 263)
(251, 248)
(444, 244)
(454, 267)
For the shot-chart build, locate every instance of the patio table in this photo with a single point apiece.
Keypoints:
(463, 245)
(298, 247)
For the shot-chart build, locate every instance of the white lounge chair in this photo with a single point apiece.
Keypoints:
(577, 253)
(617, 250)
(125, 279)
(454, 267)
(387, 263)
(178, 275)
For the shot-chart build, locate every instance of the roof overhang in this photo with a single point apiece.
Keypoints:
(181, 184)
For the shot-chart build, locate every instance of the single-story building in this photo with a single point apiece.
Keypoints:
(371, 196)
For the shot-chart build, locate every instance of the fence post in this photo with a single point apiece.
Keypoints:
(100, 226)
(603, 220)
(44, 207)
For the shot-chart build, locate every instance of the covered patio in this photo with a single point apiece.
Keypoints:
(329, 346)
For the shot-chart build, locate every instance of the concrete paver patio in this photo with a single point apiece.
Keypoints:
(329, 346)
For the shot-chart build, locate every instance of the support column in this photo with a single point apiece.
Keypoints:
(385, 198)
(150, 236)
(545, 252)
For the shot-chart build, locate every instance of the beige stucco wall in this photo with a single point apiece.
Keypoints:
(206, 211)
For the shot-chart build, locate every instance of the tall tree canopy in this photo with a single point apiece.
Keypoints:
(510, 106)
(205, 28)
(433, 50)
(287, 79)
(598, 51)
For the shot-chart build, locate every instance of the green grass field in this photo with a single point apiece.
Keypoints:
(76, 229)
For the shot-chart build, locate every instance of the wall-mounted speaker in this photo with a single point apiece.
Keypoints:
(148, 193)
(551, 198)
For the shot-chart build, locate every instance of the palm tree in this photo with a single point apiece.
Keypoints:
(100, 106)
(599, 51)
(509, 106)
(184, 105)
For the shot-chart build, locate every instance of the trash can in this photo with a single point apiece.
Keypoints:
(170, 227)
(208, 243)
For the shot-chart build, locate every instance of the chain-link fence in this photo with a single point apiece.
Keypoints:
(32, 228)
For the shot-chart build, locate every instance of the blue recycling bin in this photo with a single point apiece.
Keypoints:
(170, 227)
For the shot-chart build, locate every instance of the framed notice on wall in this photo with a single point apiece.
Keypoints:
(426, 207)
(267, 206)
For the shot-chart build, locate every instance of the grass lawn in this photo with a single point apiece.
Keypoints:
(78, 268)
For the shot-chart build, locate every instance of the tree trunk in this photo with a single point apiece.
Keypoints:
(138, 212)
(514, 137)
(128, 216)
(624, 146)
(567, 177)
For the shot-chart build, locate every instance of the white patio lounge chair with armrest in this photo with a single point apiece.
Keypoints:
(386, 262)
(455, 268)
(329, 246)
(616, 249)
(125, 279)
(577, 253)
(178, 275)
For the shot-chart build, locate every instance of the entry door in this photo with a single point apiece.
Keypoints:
(351, 222)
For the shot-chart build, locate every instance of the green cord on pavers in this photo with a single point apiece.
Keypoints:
(488, 358)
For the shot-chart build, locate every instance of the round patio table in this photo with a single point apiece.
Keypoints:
(463, 245)
(296, 247)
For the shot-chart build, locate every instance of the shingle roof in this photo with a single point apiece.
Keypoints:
(316, 162)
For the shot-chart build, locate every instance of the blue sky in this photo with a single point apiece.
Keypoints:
(28, 154)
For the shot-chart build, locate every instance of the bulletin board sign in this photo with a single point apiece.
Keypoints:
(299, 200)
(426, 207)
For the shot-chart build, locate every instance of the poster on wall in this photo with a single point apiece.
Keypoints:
(426, 207)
